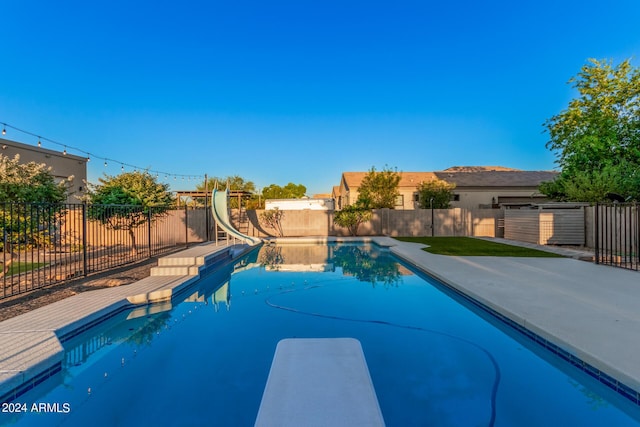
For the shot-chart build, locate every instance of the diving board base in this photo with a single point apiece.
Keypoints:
(319, 382)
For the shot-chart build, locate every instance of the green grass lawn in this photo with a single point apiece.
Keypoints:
(23, 267)
(466, 246)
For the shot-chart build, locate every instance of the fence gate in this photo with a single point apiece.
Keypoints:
(617, 235)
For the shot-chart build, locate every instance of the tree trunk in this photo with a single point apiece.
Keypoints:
(6, 263)
(134, 248)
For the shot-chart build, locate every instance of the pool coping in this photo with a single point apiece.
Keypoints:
(31, 344)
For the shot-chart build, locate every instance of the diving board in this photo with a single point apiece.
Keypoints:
(221, 215)
(319, 382)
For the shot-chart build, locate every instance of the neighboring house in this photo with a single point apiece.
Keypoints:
(476, 186)
(62, 165)
(315, 204)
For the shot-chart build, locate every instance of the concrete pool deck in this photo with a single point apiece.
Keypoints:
(589, 311)
(30, 344)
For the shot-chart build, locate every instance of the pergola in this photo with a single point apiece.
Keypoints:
(182, 196)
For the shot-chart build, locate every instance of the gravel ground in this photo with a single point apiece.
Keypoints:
(19, 304)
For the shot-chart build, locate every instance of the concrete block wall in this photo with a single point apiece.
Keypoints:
(448, 222)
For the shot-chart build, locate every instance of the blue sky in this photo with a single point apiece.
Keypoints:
(299, 91)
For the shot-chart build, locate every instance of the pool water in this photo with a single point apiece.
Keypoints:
(204, 358)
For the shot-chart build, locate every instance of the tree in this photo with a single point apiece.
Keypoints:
(29, 182)
(128, 200)
(235, 182)
(435, 194)
(351, 217)
(597, 138)
(30, 200)
(379, 189)
(289, 191)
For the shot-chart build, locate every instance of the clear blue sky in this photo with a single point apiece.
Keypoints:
(299, 91)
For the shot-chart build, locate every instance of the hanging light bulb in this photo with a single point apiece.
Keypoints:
(4, 129)
(105, 163)
(122, 168)
(88, 157)
(39, 143)
(64, 152)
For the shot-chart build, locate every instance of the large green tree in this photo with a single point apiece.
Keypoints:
(379, 189)
(289, 191)
(128, 200)
(597, 138)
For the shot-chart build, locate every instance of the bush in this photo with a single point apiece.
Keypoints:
(272, 218)
(351, 217)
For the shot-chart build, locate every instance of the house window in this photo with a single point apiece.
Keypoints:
(400, 200)
(416, 197)
(455, 198)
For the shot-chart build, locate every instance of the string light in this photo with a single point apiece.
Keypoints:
(88, 155)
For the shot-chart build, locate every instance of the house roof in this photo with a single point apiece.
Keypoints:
(465, 176)
(494, 178)
(407, 179)
(479, 168)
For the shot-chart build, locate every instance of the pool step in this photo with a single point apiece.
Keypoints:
(319, 382)
(190, 262)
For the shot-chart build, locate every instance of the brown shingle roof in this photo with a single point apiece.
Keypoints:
(466, 176)
(407, 179)
(497, 178)
(478, 168)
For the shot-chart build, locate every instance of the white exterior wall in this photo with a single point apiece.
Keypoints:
(300, 204)
(62, 165)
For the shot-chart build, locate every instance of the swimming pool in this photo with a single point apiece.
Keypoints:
(204, 358)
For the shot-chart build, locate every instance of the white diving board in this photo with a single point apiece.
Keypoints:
(319, 382)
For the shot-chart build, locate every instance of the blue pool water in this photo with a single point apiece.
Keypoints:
(204, 358)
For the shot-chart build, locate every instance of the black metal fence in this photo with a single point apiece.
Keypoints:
(617, 235)
(45, 244)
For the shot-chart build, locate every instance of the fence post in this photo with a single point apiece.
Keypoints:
(149, 216)
(433, 226)
(635, 206)
(186, 226)
(84, 240)
(596, 226)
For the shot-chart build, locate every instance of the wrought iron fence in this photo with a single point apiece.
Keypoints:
(617, 235)
(45, 244)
